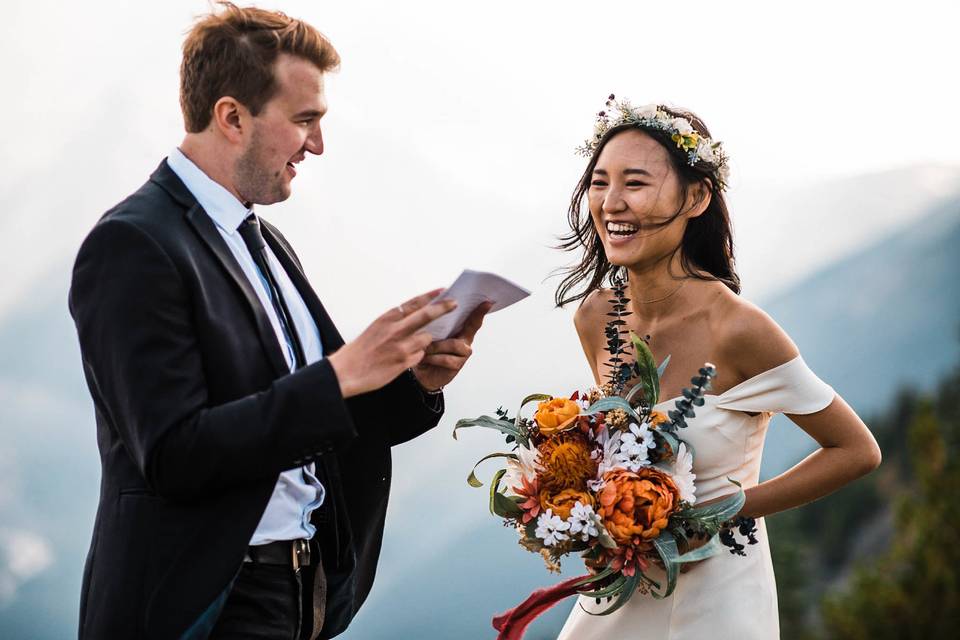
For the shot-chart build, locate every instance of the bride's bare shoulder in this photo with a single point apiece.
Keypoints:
(592, 311)
(751, 340)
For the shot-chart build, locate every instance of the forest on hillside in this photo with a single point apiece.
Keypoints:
(880, 559)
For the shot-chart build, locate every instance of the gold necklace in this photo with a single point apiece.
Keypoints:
(666, 296)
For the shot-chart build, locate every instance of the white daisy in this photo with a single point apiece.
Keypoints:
(550, 528)
(683, 475)
(584, 521)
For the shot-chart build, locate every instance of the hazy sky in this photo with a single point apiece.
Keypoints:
(452, 125)
(449, 145)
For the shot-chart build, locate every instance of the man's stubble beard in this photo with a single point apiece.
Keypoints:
(253, 180)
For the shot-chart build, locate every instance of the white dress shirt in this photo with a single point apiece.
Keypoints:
(297, 492)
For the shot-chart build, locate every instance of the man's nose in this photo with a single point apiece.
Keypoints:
(314, 143)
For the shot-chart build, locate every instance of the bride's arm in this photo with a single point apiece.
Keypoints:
(847, 451)
(847, 448)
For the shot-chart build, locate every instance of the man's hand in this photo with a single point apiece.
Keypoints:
(445, 358)
(389, 346)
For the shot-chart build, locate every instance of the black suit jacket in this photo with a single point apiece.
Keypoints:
(197, 414)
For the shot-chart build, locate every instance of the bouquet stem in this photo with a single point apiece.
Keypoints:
(511, 624)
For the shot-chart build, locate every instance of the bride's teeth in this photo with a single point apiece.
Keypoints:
(621, 228)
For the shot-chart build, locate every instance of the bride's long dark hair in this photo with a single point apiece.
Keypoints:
(707, 244)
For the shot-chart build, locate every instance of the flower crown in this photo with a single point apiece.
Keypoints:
(699, 148)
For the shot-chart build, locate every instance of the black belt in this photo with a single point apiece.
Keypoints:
(289, 553)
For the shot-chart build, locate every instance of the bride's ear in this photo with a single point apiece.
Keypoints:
(699, 196)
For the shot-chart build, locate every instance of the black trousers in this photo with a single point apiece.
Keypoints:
(270, 602)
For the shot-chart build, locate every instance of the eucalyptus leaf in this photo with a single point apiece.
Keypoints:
(504, 506)
(600, 576)
(496, 424)
(611, 403)
(495, 488)
(663, 367)
(612, 589)
(627, 591)
(533, 397)
(472, 478)
(718, 511)
(712, 548)
(666, 546)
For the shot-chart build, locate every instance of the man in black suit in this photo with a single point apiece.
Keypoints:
(245, 448)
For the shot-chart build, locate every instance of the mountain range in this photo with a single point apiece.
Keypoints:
(885, 314)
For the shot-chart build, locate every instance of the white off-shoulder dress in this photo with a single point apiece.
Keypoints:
(726, 596)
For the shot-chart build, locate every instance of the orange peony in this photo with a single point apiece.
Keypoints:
(556, 415)
(563, 502)
(636, 507)
(566, 462)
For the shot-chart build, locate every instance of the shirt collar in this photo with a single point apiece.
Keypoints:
(221, 205)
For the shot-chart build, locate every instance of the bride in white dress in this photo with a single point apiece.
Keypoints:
(657, 215)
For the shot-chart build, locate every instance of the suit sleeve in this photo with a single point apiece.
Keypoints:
(145, 373)
(400, 411)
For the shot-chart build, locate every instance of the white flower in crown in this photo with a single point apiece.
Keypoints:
(648, 112)
(724, 172)
(682, 126)
(705, 152)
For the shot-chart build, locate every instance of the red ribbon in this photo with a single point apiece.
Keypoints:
(511, 624)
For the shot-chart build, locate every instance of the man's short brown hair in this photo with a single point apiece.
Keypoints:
(232, 52)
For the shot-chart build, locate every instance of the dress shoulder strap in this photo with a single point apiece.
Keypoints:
(787, 388)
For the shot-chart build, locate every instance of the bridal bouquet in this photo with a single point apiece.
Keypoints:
(600, 473)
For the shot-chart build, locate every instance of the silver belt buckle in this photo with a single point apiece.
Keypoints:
(300, 550)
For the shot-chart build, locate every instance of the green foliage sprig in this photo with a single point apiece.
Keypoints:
(692, 397)
(617, 336)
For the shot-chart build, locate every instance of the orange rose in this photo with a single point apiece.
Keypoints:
(566, 462)
(636, 507)
(556, 415)
(657, 418)
(563, 502)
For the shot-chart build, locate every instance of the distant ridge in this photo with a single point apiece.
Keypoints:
(886, 316)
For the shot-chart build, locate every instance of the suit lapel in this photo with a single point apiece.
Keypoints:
(207, 230)
(329, 336)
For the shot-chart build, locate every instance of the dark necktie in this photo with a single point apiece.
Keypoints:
(253, 238)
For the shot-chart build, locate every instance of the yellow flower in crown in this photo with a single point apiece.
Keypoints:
(686, 142)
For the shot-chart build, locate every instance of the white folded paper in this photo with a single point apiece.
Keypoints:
(470, 290)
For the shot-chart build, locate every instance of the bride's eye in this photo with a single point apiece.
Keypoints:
(598, 183)
(636, 183)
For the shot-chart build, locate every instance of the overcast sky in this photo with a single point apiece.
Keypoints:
(451, 125)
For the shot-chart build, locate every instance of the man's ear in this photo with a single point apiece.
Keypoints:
(231, 119)
(699, 196)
